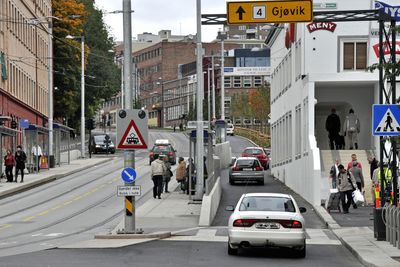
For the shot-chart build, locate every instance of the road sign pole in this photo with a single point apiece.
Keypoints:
(130, 227)
(200, 96)
(129, 156)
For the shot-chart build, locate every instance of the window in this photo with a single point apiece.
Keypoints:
(267, 203)
(227, 82)
(247, 81)
(354, 55)
(237, 82)
(257, 81)
(242, 27)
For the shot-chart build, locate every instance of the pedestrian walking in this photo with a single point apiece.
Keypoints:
(167, 174)
(333, 126)
(353, 159)
(174, 127)
(9, 162)
(181, 173)
(358, 176)
(373, 165)
(20, 159)
(352, 129)
(333, 174)
(37, 154)
(346, 185)
(157, 174)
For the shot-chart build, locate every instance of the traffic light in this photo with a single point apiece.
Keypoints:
(13, 124)
(90, 124)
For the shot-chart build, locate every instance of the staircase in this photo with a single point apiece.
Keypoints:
(344, 156)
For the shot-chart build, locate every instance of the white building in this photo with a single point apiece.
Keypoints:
(324, 67)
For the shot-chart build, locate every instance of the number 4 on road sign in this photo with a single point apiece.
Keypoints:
(259, 12)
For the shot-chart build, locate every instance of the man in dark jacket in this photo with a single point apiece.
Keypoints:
(333, 127)
(373, 165)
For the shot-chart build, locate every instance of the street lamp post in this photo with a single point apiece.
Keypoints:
(82, 91)
(222, 36)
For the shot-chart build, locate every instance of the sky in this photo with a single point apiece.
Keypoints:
(155, 15)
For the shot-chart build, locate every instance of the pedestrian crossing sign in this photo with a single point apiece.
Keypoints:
(386, 120)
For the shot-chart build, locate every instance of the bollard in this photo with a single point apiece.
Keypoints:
(393, 225)
(398, 228)
(385, 212)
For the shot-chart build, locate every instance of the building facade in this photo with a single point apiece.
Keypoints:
(317, 67)
(24, 59)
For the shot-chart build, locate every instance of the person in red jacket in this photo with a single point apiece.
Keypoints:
(353, 159)
(9, 162)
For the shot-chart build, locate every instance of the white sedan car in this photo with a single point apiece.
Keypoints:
(267, 220)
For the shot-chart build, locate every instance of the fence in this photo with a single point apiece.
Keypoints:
(391, 216)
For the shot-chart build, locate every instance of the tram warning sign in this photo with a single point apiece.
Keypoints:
(132, 129)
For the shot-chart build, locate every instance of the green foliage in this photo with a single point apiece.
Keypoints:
(99, 61)
(240, 106)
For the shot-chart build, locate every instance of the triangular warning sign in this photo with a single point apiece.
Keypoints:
(388, 123)
(132, 137)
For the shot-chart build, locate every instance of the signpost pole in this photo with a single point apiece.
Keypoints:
(129, 157)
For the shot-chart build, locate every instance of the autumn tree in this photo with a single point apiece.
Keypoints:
(259, 101)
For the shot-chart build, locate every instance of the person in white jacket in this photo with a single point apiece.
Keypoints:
(158, 170)
(352, 129)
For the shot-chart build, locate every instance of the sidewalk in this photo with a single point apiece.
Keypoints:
(158, 218)
(172, 212)
(44, 176)
(355, 231)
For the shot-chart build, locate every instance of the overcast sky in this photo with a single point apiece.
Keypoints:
(154, 15)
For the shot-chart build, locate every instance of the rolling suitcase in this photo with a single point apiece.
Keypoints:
(333, 201)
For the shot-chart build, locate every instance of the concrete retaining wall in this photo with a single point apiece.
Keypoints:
(74, 154)
(210, 204)
(223, 151)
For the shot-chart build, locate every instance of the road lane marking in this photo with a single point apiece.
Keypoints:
(67, 203)
(56, 207)
(43, 213)
(77, 198)
(5, 226)
(29, 218)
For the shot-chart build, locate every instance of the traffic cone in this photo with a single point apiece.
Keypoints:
(377, 197)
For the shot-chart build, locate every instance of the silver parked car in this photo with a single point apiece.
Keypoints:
(266, 220)
(246, 169)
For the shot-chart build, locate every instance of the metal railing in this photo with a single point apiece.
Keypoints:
(391, 219)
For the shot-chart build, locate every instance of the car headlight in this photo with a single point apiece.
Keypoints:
(98, 146)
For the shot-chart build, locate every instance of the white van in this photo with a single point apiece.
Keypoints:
(230, 129)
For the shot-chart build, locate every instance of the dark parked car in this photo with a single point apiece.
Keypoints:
(98, 144)
(163, 148)
(259, 153)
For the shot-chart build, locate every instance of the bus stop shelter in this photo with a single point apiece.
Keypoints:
(37, 139)
(8, 137)
(62, 141)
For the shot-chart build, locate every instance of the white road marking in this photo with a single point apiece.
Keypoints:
(54, 234)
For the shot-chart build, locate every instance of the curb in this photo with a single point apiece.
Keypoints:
(326, 218)
(45, 180)
(156, 235)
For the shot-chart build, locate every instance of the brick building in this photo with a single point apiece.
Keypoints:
(159, 64)
(24, 60)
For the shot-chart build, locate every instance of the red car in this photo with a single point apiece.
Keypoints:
(259, 153)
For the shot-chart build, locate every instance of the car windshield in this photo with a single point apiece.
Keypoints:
(253, 151)
(267, 203)
(249, 163)
(161, 149)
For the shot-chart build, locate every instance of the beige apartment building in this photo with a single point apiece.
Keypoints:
(24, 59)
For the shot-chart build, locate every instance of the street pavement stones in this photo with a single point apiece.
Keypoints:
(44, 176)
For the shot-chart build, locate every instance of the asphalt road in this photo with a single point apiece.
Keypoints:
(74, 208)
(181, 254)
(323, 249)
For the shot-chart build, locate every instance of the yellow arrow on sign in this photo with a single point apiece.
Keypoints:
(258, 12)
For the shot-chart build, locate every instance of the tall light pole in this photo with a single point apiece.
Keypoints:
(200, 97)
(222, 36)
(82, 91)
(50, 93)
(213, 88)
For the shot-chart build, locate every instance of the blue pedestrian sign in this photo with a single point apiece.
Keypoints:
(386, 120)
(128, 175)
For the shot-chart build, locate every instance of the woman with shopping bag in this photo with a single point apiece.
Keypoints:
(346, 186)
(358, 176)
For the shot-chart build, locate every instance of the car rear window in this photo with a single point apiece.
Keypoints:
(253, 151)
(99, 138)
(161, 149)
(260, 203)
(243, 163)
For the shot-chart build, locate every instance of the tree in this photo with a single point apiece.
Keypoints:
(102, 78)
(259, 101)
(240, 107)
(67, 57)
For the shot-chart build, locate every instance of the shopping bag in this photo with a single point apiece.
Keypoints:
(358, 197)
